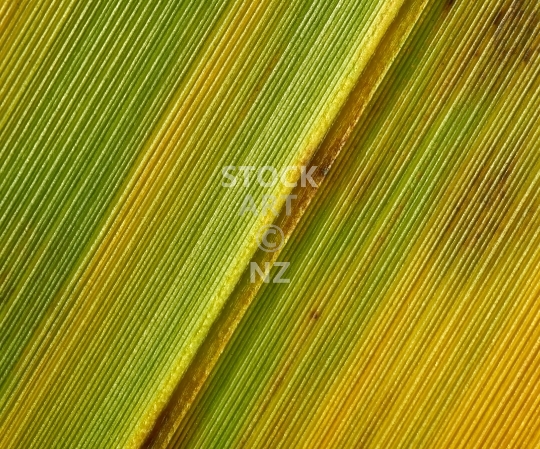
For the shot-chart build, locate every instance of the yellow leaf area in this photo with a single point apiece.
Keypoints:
(411, 319)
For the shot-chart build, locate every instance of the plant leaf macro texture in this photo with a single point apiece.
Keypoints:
(259, 223)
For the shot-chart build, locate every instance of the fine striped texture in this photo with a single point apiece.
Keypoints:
(128, 316)
(412, 315)
(119, 245)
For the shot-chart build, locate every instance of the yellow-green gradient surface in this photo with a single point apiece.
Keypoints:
(127, 315)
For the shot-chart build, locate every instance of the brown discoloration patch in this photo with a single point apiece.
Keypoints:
(497, 20)
(511, 40)
(449, 5)
(314, 314)
(512, 22)
(325, 169)
(528, 55)
(487, 192)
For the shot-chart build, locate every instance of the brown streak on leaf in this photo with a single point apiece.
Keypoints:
(172, 417)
